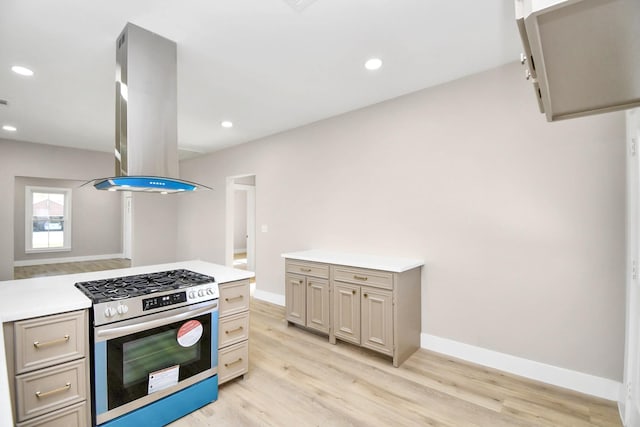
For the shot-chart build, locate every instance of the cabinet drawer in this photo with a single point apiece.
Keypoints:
(233, 361)
(233, 329)
(50, 340)
(73, 416)
(363, 276)
(308, 268)
(49, 389)
(234, 297)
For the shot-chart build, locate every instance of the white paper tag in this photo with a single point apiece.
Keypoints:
(163, 378)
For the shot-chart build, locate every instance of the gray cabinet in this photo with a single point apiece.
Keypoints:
(363, 310)
(233, 330)
(48, 359)
(346, 312)
(307, 295)
(370, 307)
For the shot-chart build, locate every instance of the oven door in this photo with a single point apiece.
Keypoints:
(141, 360)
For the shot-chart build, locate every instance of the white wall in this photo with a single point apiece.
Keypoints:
(95, 217)
(520, 222)
(19, 158)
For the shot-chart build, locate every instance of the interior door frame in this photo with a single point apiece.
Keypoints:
(629, 403)
(231, 188)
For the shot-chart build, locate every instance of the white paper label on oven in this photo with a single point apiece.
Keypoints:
(189, 333)
(163, 378)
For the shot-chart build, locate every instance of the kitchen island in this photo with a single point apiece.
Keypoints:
(43, 296)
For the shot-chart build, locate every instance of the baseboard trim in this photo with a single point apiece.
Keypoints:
(549, 374)
(573, 380)
(30, 262)
(271, 297)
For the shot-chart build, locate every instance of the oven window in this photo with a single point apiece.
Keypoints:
(130, 359)
(152, 353)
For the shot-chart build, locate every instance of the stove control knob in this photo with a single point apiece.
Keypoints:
(109, 312)
(201, 293)
(192, 294)
(209, 291)
(122, 309)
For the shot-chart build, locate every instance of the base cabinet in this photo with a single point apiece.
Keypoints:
(48, 360)
(307, 295)
(376, 320)
(374, 308)
(346, 312)
(233, 330)
(363, 315)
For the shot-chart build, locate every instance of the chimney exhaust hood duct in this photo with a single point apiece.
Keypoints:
(146, 115)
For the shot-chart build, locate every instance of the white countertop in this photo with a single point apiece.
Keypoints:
(40, 296)
(375, 262)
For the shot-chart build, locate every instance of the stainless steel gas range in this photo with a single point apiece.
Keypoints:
(154, 346)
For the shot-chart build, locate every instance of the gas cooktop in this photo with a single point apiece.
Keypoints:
(119, 288)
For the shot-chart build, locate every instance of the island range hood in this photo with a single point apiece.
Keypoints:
(146, 148)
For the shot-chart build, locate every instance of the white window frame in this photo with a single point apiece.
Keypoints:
(28, 216)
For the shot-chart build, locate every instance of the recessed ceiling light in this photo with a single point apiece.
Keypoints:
(226, 124)
(9, 128)
(23, 71)
(373, 64)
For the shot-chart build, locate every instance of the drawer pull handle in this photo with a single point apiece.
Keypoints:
(305, 269)
(239, 328)
(365, 295)
(353, 292)
(65, 387)
(360, 277)
(239, 297)
(300, 281)
(38, 344)
(226, 365)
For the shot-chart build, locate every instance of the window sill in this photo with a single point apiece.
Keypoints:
(47, 250)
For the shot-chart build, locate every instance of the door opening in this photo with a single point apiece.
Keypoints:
(240, 224)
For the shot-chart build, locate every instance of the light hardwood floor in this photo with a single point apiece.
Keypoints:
(69, 268)
(297, 378)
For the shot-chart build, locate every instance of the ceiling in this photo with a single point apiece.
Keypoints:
(265, 65)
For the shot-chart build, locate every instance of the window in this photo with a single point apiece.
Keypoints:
(47, 219)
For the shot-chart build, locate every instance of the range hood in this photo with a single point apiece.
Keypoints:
(146, 148)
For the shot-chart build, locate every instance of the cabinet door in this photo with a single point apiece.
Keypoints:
(295, 295)
(346, 312)
(318, 304)
(377, 319)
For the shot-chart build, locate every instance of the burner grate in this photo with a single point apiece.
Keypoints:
(141, 284)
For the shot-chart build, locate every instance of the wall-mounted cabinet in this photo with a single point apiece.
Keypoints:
(582, 56)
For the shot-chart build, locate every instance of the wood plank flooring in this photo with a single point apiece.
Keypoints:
(69, 268)
(296, 378)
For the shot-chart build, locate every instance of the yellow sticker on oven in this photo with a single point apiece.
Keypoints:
(189, 333)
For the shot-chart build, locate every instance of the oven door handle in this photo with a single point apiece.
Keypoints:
(139, 327)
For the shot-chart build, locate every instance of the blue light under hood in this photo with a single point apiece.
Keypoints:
(154, 184)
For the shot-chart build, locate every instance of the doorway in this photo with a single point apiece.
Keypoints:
(240, 224)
